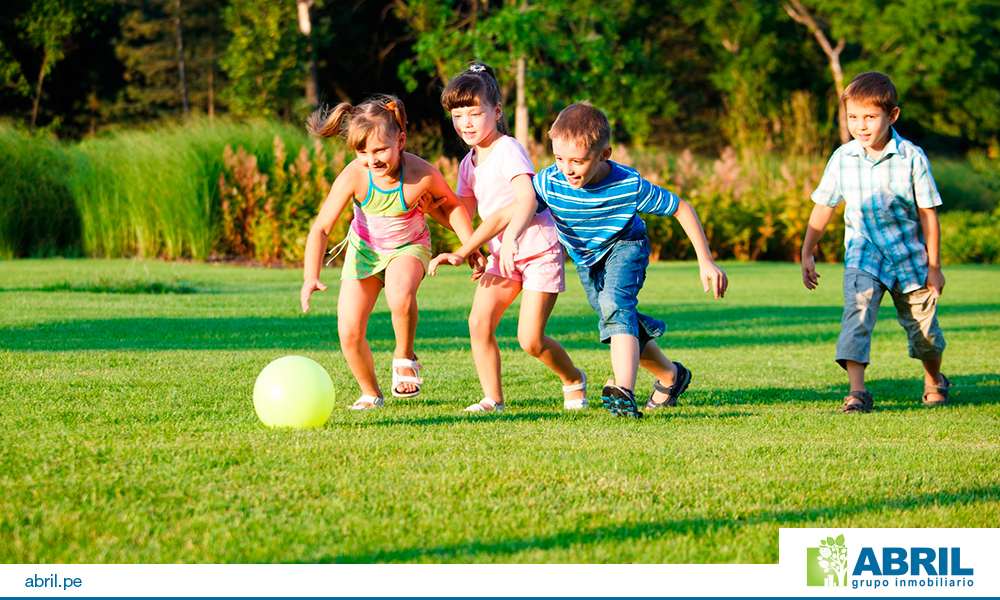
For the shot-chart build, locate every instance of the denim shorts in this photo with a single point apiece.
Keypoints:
(612, 286)
(916, 311)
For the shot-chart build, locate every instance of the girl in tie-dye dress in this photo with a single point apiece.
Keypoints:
(388, 245)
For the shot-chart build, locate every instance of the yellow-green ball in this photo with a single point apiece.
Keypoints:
(293, 391)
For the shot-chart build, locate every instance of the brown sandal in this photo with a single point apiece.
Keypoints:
(940, 389)
(858, 401)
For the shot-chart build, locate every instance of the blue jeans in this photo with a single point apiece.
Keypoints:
(612, 286)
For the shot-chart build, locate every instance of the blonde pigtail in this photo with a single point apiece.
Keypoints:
(325, 122)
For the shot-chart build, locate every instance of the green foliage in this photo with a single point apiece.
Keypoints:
(609, 58)
(968, 237)
(266, 215)
(148, 50)
(47, 25)
(972, 184)
(129, 434)
(265, 58)
(37, 213)
(156, 193)
(11, 77)
(944, 57)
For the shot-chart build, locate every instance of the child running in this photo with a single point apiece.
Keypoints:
(494, 174)
(388, 245)
(596, 203)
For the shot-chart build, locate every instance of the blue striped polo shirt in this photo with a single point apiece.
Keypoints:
(883, 236)
(592, 218)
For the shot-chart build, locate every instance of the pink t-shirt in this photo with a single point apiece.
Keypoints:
(489, 182)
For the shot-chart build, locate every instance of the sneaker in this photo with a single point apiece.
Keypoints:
(620, 402)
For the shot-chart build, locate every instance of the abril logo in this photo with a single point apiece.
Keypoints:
(827, 565)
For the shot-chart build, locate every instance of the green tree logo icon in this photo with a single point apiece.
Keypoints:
(826, 565)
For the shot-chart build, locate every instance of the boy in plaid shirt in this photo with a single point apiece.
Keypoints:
(892, 238)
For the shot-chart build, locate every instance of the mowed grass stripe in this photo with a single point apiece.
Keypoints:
(129, 435)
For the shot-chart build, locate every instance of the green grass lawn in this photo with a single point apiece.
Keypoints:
(127, 431)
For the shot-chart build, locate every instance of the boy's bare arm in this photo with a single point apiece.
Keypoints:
(818, 220)
(713, 278)
(932, 237)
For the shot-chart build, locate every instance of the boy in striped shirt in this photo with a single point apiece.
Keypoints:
(891, 240)
(595, 203)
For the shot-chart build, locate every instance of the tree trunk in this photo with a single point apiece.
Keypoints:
(521, 112)
(179, 36)
(211, 80)
(38, 87)
(800, 14)
(305, 26)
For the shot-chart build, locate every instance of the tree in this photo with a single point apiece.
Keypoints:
(47, 26)
(602, 51)
(305, 27)
(168, 48)
(800, 14)
(264, 57)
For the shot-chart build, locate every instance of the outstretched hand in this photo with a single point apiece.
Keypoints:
(445, 257)
(308, 287)
(713, 279)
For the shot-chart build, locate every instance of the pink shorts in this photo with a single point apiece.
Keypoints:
(543, 272)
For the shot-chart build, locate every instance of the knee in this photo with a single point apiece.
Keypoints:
(480, 326)
(351, 334)
(531, 344)
(402, 304)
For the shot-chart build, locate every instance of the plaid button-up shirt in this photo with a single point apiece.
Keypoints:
(883, 235)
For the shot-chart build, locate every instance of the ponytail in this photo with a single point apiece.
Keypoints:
(395, 107)
(384, 113)
(325, 122)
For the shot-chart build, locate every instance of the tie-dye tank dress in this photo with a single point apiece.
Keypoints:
(384, 228)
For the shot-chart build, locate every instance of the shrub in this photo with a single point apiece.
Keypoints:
(37, 213)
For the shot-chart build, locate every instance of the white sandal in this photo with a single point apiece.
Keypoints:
(397, 378)
(579, 403)
(486, 405)
(366, 402)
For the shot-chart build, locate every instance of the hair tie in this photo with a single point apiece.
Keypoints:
(390, 106)
(477, 68)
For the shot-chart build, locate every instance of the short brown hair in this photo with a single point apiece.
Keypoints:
(583, 123)
(874, 88)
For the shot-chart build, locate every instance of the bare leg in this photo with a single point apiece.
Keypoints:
(856, 375)
(354, 306)
(932, 377)
(493, 296)
(536, 307)
(402, 278)
(656, 362)
(625, 359)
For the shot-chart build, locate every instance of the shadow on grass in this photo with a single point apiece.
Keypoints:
(457, 419)
(103, 286)
(681, 527)
(691, 326)
(889, 394)
(516, 416)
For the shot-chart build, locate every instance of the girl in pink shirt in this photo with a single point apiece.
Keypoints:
(494, 174)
